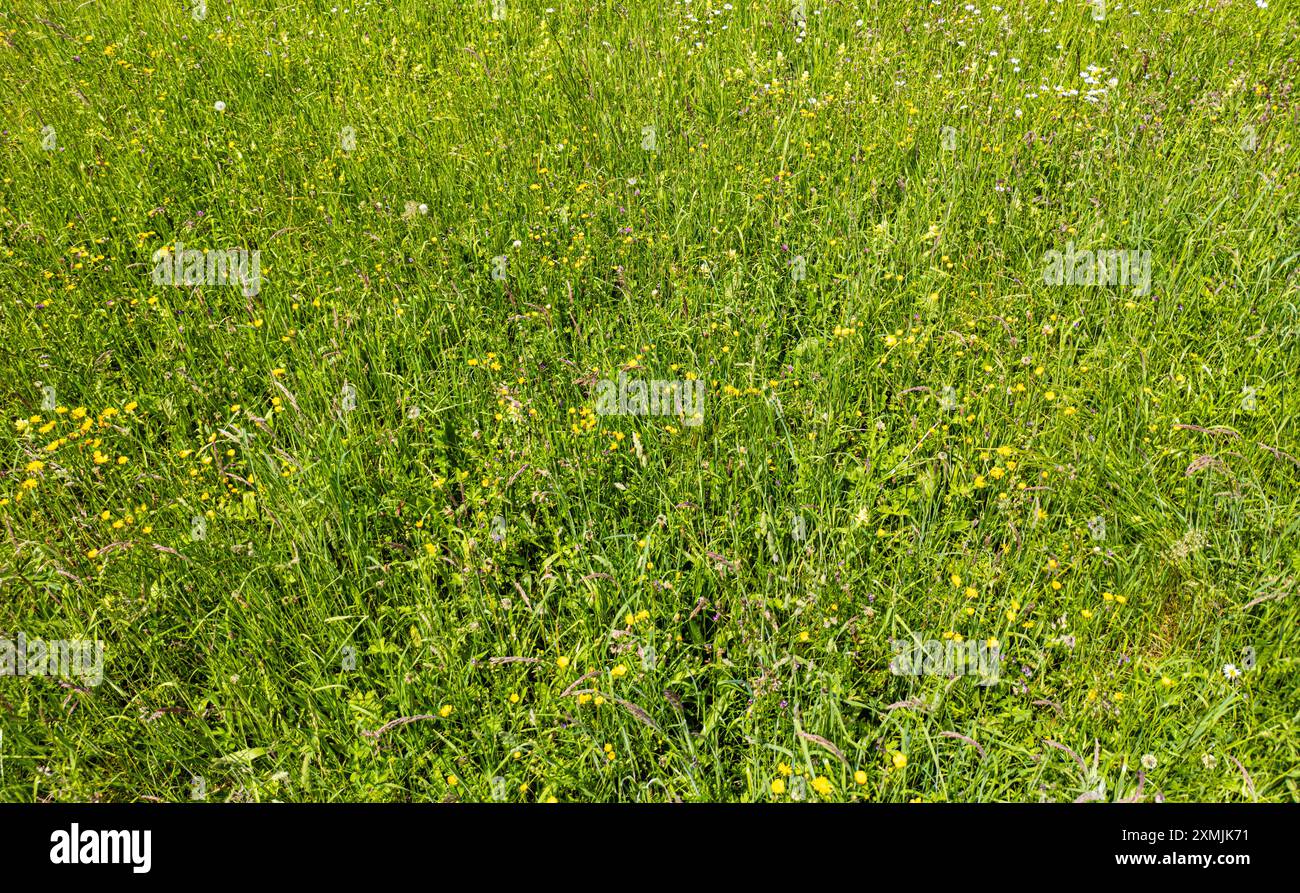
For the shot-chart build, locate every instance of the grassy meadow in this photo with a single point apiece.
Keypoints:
(364, 527)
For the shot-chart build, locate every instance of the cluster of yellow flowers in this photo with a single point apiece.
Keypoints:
(82, 424)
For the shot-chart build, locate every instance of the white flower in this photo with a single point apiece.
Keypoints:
(219, 105)
(1149, 761)
(1262, 4)
(423, 209)
(1208, 761)
(1230, 671)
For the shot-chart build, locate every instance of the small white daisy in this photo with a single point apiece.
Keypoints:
(219, 105)
(1230, 671)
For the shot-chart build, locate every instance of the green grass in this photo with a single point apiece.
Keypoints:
(348, 576)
